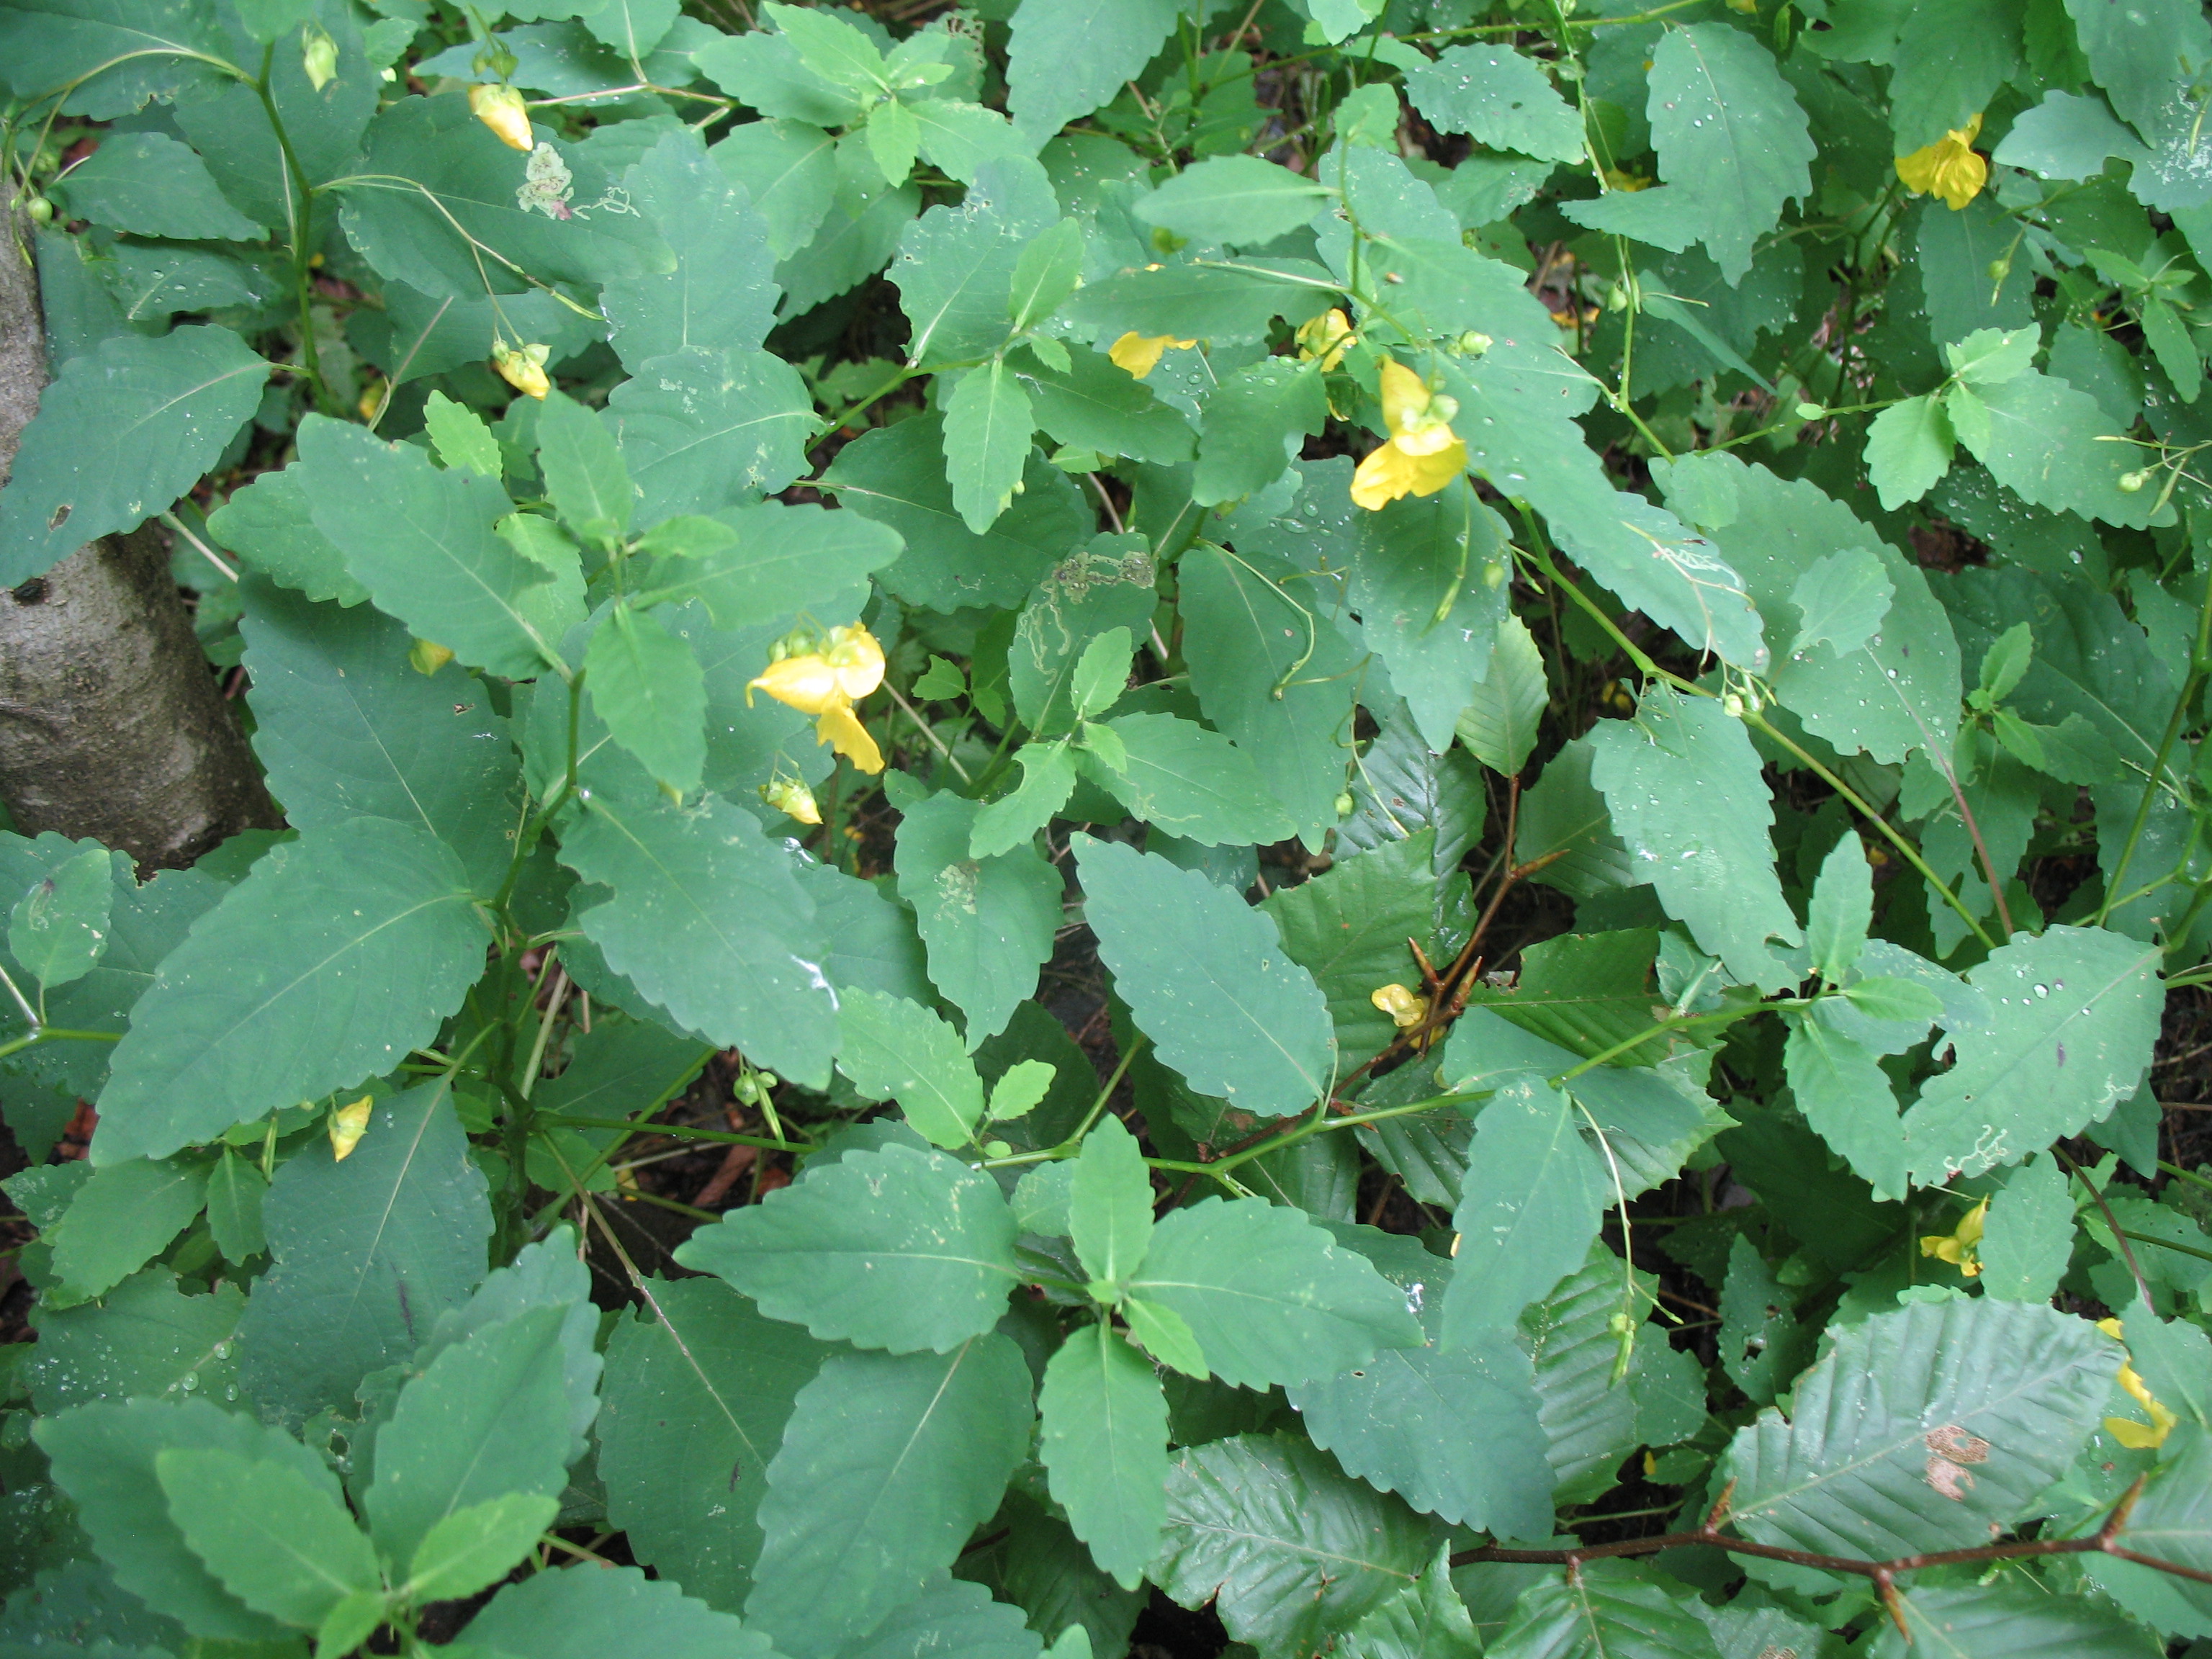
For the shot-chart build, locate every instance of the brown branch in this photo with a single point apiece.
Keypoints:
(2104, 1541)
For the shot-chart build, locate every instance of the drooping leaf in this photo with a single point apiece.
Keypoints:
(988, 923)
(894, 1248)
(1105, 1441)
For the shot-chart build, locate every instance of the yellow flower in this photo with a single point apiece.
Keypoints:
(2137, 1436)
(522, 367)
(1424, 453)
(844, 664)
(500, 109)
(348, 1125)
(1328, 337)
(792, 798)
(1405, 1009)
(427, 657)
(1950, 167)
(1140, 354)
(1961, 1249)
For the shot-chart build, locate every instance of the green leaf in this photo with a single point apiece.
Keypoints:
(1181, 778)
(1240, 199)
(1046, 274)
(952, 1615)
(1425, 1621)
(2071, 1018)
(120, 1219)
(577, 1615)
(1733, 147)
(720, 294)
(2054, 447)
(1268, 1297)
(649, 688)
(347, 728)
(2006, 1620)
(1684, 787)
(461, 438)
(1846, 1096)
(1201, 973)
(277, 1540)
(1286, 1547)
(583, 471)
(960, 139)
(1021, 1089)
(789, 167)
(1093, 405)
(1842, 600)
(431, 168)
(1109, 1204)
(338, 953)
(955, 266)
(1429, 586)
(58, 929)
(1529, 1208)
(1255, 421)
(987, 424)
(1946, 67)
(893, 1049)
(776, 562)
(1397, 1421)
(122, 431)
(989, 923)
(1498, 725)
(1400, 785)
(1068, 57)
(894, 1248)
(473, 1548)
(1105, 1447)
(890, 1462)
(1842, 909)
(2028, 1237)
(1048, 780)
(708, 920)
(1918, 1429)
(421, 541)
(1499, 98)
(699, 1386)
(60, 43)
(1600, 1612)
(2140, 57)
(105, 1459)
(489, 1417)
(1348, 928)
(1589, 1413)
(269, 525)
(896, 476)
(366, 1255)
(1910, 449)
(1762, 1345)
(150, 185)
(703, 428)
(145, 1337)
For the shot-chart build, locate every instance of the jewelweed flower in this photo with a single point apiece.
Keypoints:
(1140, 354)
(2136, 1435)
(348, 1125)
(822, 674)
(500, 109)
(522, 367)
(1961, 1248)
(1326, 338)
(792, 798)
(1950, 167)
(1407, 1008)
(1424, 453)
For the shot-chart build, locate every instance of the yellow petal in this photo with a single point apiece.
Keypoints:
(2136, 1437)
(1432, 472)
(1950, 167)
(500, 109)
(524, 370)
(426, 657)
(808, 683)
(1405, 1009)
(1385, 475)
(1326, 338)
(1404, 397)
(858, 659)
(348, 1125)
(1969, 1231)
(841, 730)
(1139, 354)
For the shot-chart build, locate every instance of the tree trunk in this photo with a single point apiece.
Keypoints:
(111, 725)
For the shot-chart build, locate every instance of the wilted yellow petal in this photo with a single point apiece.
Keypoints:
(500, 109)
(841, 730)
(808, 683)
(1406, 1008)
(1139, 354)
(792, 798)
(1950, 167)
(427, 657)
(1326, 337)
(348, 1125)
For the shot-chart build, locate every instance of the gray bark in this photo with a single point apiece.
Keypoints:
(111, 724)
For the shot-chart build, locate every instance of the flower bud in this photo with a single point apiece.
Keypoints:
(500, 108)
(40, 210)
(1733, 705)
(2131, 482)
(523, 369)
(319, 55)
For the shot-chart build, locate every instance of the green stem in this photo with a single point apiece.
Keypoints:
(302, 216)
(52, 1034)
(2199, 662)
